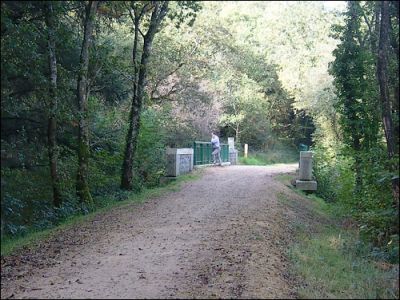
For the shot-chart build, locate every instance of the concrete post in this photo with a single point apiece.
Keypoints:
(233, 156)
(246, 148)
(305, 181)
(179, 161)
(305, 172)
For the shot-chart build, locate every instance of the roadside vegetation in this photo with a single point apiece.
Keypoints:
(331, 260)
(279, 155)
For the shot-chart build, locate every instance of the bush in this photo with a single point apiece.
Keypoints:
(11, 215)
(151, 158)
(277, 155)
(334, 175)
(105, 172)
(370, 205)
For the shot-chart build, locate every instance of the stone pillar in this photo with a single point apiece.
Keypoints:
(179, 161)
(233, 156)
(305, 172)
(233, 153)
(305, 181)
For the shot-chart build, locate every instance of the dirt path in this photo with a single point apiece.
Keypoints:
(222, 236)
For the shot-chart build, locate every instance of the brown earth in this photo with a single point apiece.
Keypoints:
(224, 235)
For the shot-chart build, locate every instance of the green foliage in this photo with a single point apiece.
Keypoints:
(105, 172)
(335, 265)
(334, 174)
(332, 261)
(371, 206)
(26, 199)
(26, 202)
(108, 130)
(251, 161)
(273, 156)
(150, 163)
(11, 214)
(354, 71)
(357, 173)
(184, 11)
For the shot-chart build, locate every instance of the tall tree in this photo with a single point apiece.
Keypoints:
(158, 10)
(382, 74)
(356, 88)
(52, 121)
(82, 187)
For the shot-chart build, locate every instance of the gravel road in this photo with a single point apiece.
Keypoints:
(221, 236)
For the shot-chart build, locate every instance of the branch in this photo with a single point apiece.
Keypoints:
(158, 100)
(165, 96)
(165, 77)
(144, 10)
(138, 17)
(128, 77)
(366, 21)
(194, 48)
(163, 11)
(132, 17)
(98, 89)
(90, 80)
(141, 32)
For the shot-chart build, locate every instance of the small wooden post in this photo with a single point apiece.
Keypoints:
(246, 148)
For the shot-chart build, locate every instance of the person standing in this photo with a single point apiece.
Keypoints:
(216, 149)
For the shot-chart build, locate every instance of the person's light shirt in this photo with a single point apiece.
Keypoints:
(215, 142)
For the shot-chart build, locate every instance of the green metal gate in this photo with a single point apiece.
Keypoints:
(202, 153)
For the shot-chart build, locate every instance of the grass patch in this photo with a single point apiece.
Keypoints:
(285, 178)
(270, 157)
(9, 245)
(331, 210)
(333, 262)
(251, 161)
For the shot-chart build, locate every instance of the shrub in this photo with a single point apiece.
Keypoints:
(370, 205)
(151, 158)
(273, 156)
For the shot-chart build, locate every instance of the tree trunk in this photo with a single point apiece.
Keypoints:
(82, 187)
(237, 133)
(157, 16)
(127, 166)
(52, 121)
(382, 74)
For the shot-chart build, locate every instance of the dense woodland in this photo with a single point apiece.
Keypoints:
(94, 91)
